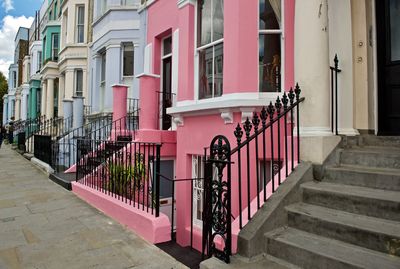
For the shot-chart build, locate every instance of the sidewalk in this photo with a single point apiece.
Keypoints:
(44, 226)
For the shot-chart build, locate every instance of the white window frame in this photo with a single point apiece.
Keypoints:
(280, 31)
(76, 83)
(78, 25)
(198, 189)
(197, 58)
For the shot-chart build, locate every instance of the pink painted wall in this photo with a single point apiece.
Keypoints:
(154, 230)
(289, 43)
(240, 46)
(240, 75)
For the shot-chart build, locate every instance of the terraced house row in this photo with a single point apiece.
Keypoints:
(182, 118)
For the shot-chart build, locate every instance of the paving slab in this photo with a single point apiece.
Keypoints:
(44, 226)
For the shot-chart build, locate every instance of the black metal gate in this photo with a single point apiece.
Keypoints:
(42, 148)
(21, 141)
(217, 200)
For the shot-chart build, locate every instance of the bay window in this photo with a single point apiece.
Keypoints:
(270, 45)
(210, 34)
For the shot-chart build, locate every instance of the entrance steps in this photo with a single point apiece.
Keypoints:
(349, 219)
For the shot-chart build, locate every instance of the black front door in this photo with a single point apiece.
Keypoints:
(388, 41)
(166, 93)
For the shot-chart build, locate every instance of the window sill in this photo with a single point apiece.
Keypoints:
(234, 102)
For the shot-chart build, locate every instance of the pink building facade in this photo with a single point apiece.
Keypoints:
(208, 66)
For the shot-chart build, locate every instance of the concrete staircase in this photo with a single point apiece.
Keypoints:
(350, 219)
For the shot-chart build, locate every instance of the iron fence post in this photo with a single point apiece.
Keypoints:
(158, 180)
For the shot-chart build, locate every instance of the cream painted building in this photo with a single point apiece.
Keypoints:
(367, 89)
(72, 62)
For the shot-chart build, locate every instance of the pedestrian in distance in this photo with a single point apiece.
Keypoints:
(1, 135)
(10, 133)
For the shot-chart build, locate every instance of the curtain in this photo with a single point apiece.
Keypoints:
(276, 6)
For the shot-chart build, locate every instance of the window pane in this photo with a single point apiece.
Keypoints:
(218, 19)
(167, 44)
(79, 83)
(81, 15)
(218, 69)
(80, 34)
(205, 75)
(395, 29)
(103, 67)
(128, 60)
(205, 22)
(270, 14)
(270, 62)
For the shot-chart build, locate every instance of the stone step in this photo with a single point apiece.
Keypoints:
(369, 232)
(371, 156)
(354, 199)
(372, 177)
(311, 251)
(383, 141)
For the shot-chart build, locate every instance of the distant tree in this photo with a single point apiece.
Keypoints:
(3, 91)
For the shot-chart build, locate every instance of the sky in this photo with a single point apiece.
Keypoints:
(13, 14)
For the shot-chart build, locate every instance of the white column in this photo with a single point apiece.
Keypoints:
(312, 73)
(61, 92)
(43, 99)
(50, 98)
(95, 85)
(5, 109)
(312, 64)
(17, 106)
(69, 84)
(24, 104)
(341, 43)
(85, 85)
(113, 73)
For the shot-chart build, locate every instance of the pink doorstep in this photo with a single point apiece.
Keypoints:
(155, 230)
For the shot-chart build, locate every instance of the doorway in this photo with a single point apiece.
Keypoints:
(166, 93)
(388, 54)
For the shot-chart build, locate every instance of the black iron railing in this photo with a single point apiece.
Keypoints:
(173, 183)
(54, 127)
(127, 171)
(255, 167)
(334, 95)
(65, 149)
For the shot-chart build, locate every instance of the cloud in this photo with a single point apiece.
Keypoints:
(8, 5)
(8, 31)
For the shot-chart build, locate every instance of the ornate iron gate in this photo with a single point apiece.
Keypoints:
(217, 200)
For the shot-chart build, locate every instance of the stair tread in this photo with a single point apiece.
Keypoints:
(378, 194)
(362, 222)
(366, 169)
(374, 149)
(334, 249)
